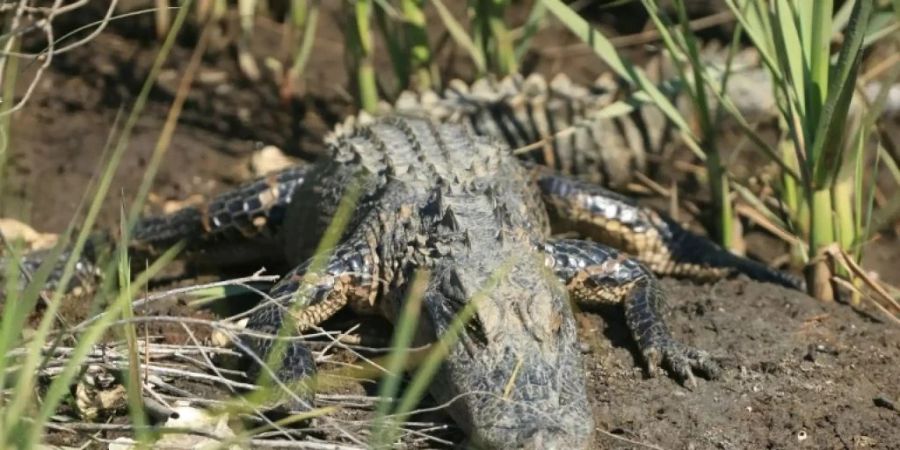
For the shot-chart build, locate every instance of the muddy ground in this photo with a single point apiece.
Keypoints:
(799, 373)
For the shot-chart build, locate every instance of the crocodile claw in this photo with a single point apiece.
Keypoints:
(681, 361)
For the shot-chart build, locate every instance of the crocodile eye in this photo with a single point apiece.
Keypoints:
(452, 287)
(454, 292)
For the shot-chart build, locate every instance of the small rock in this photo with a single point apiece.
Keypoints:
(170, 206)
(269, 159)
(13, 230)
(863, 441)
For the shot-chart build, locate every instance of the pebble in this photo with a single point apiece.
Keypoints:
(269, 159)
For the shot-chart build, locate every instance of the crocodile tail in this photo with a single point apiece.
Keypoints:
(85, 275)
(690, 247)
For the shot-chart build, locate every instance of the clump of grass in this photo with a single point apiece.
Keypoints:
(814, 88)
(822, 149)
(18, 433)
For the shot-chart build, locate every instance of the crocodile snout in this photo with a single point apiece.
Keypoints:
(537, 435)
(514, 379)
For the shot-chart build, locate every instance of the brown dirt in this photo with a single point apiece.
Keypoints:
(799, 373)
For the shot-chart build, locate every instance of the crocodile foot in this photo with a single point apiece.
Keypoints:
(681, 360)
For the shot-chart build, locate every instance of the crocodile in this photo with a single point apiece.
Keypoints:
(484, 225)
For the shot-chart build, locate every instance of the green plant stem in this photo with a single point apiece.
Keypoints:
(493, 36)
(844, 221)
(403, 337)
(718, 174)
(418, 49)
(531, 27)
(844, 218)
(462, 38)
(821, 229)
(721, 200)
(790, 194)
(10, 70)
(305, 17)
(500, 35)
(360, 47)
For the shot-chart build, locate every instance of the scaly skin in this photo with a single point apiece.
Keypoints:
(434, 196)
(559, 115)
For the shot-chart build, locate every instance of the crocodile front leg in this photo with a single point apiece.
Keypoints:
(236, 227)
(250, 214)
(596, 274)
(302, 299)
(654, 239)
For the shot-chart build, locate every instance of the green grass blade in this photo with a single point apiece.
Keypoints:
(862, 210)
(881, 26)
(529, 30)
(441, 347)
(404, 332)
(663, 27)
(400, 60)
(819, 49)
(462, 38)
(165, 136)
(310, 25)
(885, 214)
(826, 149)
(419, 52)
(10, 322)
(791, 55)
(9, 71)
(25, 384)
(500, 37)
(754, 20)
(359, 46)
(320, 258)
(840, 18)
(60, 386)
(133, 384)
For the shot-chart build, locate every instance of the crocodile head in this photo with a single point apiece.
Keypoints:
(513, 377)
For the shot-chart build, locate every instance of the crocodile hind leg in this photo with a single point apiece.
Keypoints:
(596, 274)
(654, 239)
(303, 299)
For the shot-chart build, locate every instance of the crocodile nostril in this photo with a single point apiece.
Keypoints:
(548, 439)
